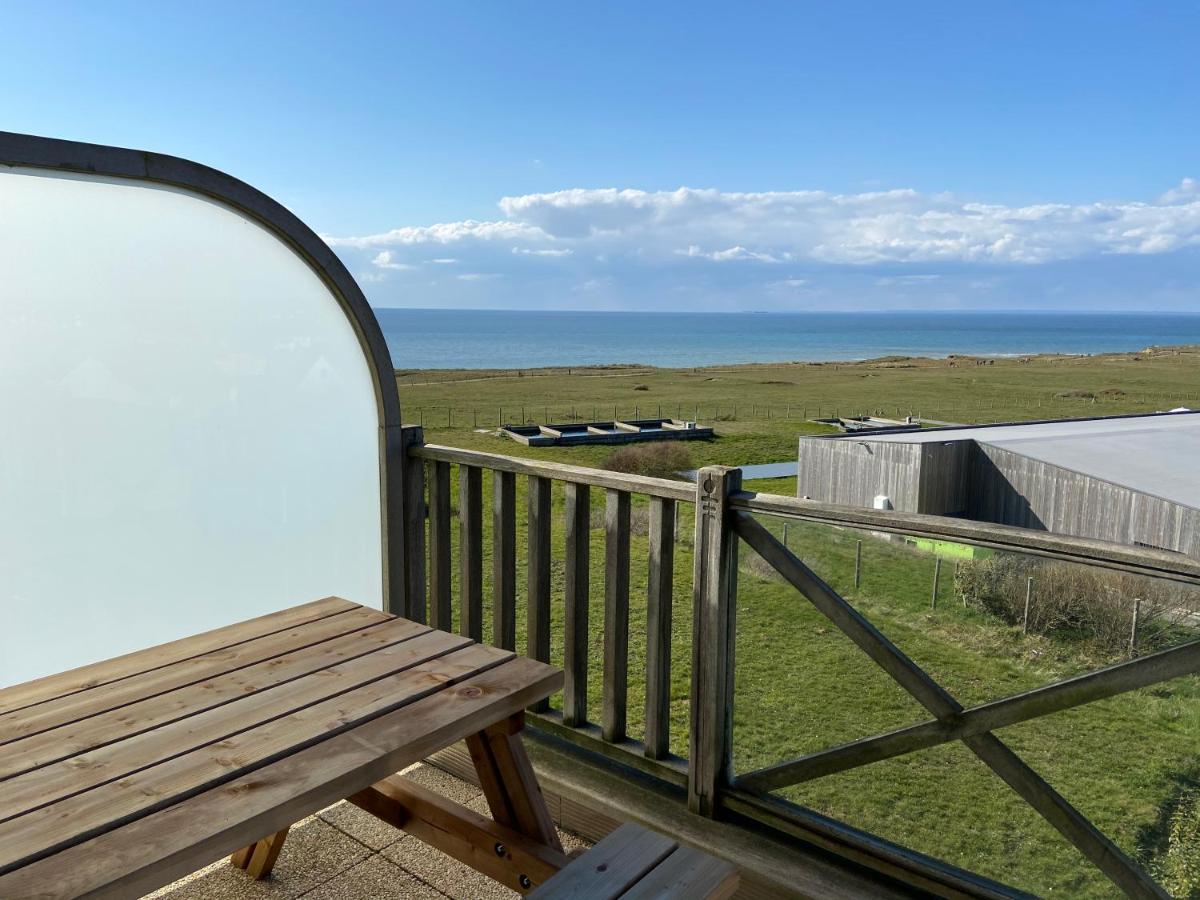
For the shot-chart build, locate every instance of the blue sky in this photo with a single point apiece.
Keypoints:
(694, 156)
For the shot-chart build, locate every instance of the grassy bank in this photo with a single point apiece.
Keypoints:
(1130, 763)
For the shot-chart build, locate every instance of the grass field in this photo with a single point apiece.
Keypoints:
(1126, 762)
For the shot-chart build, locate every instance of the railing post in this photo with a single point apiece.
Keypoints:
(414, 524)
(714, 595)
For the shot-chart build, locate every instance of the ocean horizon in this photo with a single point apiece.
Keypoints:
(512, 339)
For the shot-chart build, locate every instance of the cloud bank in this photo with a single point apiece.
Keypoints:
(712, 246)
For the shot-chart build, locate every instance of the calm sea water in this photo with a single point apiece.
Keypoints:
(478, 339)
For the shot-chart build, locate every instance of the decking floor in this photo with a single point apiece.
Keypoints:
(343, 853)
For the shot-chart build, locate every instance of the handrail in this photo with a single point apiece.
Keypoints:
(640, 484)
(1146, 561)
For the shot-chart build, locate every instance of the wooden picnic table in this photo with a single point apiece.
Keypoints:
(122, 776)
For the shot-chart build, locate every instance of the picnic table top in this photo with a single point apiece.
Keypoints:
(118, 777)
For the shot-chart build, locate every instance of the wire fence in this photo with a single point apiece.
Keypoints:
(948, 410)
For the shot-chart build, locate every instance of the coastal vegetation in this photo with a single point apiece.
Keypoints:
(1130, 763)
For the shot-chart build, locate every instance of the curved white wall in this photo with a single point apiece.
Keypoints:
(188, 426)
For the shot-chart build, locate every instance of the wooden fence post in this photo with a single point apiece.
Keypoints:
(785, 534)
(714, 595)
(857, 564)
(414, 521)
(1028, 600)
(937, 576)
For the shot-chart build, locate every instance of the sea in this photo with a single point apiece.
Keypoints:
(514, 339)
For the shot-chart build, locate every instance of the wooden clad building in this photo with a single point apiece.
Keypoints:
(1131, 479)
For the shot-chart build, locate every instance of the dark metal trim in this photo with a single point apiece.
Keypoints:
(116, 162)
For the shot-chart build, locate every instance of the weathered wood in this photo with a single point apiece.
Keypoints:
(504, 854)
(159, 847)
(1073, 825)
(857, 562)
(470, 550)
(258, 859)
(504, 560)
(576, 635)
(640, 484)
(412, 437)
(1072, 692)
(1028, 603)
(537, 602)
(509, 783)
(94, 675)
(616, 614)
(611, 867)
(55, 722)
(659, 599)
(714, 600)
(47, 767)
(687, 874)
(440, 606)
(1138, 560)
(1134, 626)
(937, 577)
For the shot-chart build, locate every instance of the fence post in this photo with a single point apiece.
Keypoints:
(414, 524)
(857, 564)
(785, 535)
(1028, 600)
(937, 576)
(714, 596)
(1133, 630)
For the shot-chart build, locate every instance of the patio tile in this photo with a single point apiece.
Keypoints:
(442, 783)
(457, 881)
(375, 878)
(314, 852)
(361, 825)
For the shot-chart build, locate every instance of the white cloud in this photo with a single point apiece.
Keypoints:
(443, 261)
(526, 251)
(385, 259)
(876, 227)
(477, 276)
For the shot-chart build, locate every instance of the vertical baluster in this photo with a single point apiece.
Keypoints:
(439, 545)
(414, 525)
(537, 606)
(470, 550)
(658, 626)
(504, 560)
(578, 594)
(616, 614)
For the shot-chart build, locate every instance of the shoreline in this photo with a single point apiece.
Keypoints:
(949, 360)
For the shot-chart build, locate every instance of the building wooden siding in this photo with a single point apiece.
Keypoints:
(855, 472)
(1012, 489)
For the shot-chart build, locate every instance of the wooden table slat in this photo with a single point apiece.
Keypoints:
(259, 653)
(66, 822)
(84, 677)
(158, 848)
(85, 771)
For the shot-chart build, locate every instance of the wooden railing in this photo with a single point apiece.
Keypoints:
(725, 516)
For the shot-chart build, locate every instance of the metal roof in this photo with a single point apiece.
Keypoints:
(1153, 454)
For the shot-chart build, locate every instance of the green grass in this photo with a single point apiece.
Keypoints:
(801, 685)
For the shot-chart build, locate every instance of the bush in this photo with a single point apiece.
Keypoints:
(664, 460)
(1178, 868)
(1076, 602)
(641, 387)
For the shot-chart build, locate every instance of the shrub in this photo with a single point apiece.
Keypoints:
(1074, 601)
(641, 387)
(1178, 868)
(663, 460)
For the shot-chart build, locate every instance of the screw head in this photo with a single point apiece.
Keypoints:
(501, 850)
(524, 881)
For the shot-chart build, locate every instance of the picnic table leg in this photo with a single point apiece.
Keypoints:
(508, 781)
(259, 858)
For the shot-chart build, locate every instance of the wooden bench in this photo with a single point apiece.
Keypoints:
(634, 863)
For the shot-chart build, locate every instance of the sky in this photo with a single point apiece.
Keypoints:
(693, 156)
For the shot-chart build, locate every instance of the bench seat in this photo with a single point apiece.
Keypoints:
(634, 863)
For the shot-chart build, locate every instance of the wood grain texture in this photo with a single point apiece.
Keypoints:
(470, 550)
(162, 846)
(440, 606)
(616, 615)
(412, 437)
(659, 598)
(93, 675)
(537, 599)
(610, 868)
(577, 591)
(504, 560)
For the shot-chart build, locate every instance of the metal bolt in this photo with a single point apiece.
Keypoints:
(524, 881)
(501, 850)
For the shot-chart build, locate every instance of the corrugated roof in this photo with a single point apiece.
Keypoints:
(1157, 454)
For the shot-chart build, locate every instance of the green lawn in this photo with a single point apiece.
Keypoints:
(802, 686)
